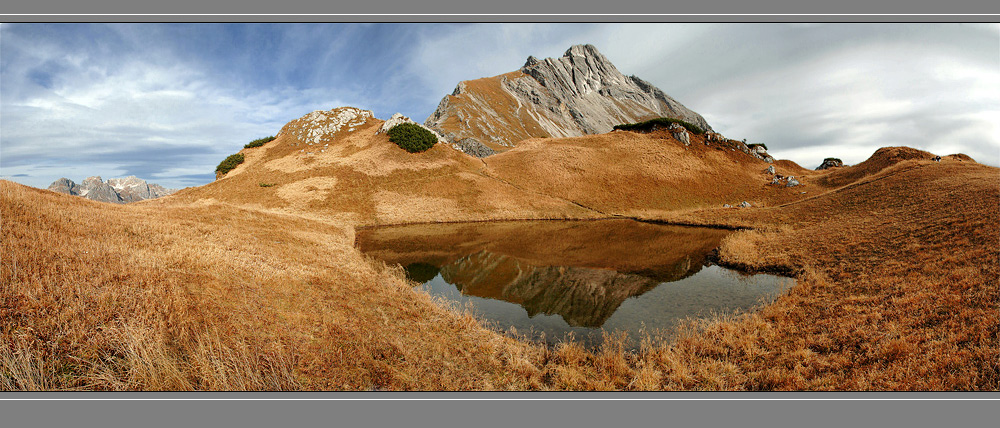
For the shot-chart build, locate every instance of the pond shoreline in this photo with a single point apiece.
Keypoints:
(554, 278)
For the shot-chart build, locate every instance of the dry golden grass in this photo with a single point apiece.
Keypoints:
(626, 173)
(897, 282)
(233, 286)
(99, 296)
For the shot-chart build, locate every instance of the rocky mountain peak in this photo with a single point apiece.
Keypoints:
(583, 50)
(115, 190)
(580, 93)
(580, 71)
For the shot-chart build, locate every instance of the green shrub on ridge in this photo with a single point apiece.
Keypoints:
(660, 121)
(259, 142)
(229, 163)
(411, 137)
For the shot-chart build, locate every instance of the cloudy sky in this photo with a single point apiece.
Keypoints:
(167, 102)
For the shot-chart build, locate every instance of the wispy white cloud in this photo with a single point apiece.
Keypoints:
(169, 102)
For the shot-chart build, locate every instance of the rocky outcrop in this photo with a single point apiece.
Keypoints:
(473, 147)
(577, 94)
(830, 163)
(115, 190)
(322, 126)
(680, 133)
(759, 151)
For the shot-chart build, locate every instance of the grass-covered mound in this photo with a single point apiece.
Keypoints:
(229, 163)
(411, 137)
(663, 122)
(259, 142)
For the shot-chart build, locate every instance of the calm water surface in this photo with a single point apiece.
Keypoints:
(550, 279)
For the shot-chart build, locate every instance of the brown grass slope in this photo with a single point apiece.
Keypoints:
(623, 173)
(881, 159)
(237, 286)
(898, 282)
(360, 177)
(99, 296)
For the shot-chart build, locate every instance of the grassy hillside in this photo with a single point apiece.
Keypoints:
(235, 285)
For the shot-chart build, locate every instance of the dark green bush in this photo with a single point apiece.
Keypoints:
(266, 184)
(259, 142)
(229, 163)
(660, 121)
(411, 137)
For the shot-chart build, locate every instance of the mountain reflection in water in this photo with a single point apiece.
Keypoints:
(550, 278)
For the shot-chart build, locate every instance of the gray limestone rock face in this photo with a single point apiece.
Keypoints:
(679, 132)
(65, 185)
(579, 93)
(96, 189)
(760, 152)
(115, 190)
(474, 147)
(132, 189)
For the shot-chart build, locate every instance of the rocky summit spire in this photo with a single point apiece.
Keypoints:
(580, 93)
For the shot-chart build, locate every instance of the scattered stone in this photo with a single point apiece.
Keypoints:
(770, 169)
(726, 206)
(474, 147)
(744, 204)
(792, 182)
